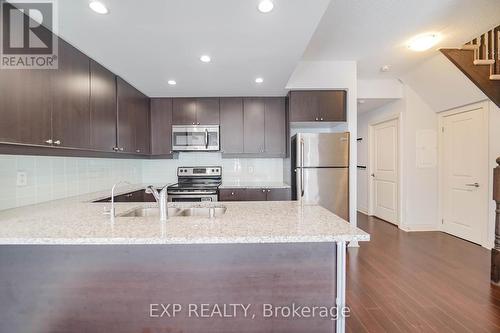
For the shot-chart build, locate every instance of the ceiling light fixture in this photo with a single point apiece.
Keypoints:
(98, 7)
(423, 42)
(265, 6)
(259, 80)
(205, 58)
(172, 82)
(385, 68)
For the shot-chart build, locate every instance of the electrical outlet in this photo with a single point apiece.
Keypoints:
(250, 169)
(22, 178)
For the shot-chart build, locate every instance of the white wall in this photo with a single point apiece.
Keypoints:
(380, 89)
(233, 169)
(418, 184)
(442, 85)
(494, 153)
(334, 75)
(51, 178)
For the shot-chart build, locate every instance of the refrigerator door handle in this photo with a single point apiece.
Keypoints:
(302, 168)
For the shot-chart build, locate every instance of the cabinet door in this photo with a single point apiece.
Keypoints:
(253, 123)
(332, 105)
(304, 106)
(275, 126)
(207, 111)
(102, 107)
(231, 125)
(279, 194)
(126, 116)
(184, 111)
(141, 124)
(71, 99)
(254, 194)
(230, 194)
(25, 106)
(161, 126)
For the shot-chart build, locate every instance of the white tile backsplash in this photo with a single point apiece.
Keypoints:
(52, 178)
(233, 169)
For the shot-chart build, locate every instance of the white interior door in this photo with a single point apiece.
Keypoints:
(464, 174)
(384, 171)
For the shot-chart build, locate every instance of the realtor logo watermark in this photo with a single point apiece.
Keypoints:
(27, 41)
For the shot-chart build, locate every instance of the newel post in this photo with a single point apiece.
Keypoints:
(495, 253)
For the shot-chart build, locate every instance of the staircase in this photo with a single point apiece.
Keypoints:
(479, 60)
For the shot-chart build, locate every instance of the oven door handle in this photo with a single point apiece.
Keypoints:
(191, 193)
(206, 138)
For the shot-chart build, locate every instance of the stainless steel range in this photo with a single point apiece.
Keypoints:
(196, 184)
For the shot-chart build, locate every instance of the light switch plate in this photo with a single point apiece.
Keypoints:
(22, 178)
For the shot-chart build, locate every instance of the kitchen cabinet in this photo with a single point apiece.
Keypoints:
(255, 194)
(70, 88)
(275, 126)
(25, 106)
(133, 119)
(253, 125)
(161, 126)
(102, 108)
(318, 105)
(231, 125)
(195, 111)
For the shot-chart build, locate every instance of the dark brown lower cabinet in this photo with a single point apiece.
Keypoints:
(255, 194)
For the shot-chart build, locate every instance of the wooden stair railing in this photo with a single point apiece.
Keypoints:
(479, 60)
(495, 252)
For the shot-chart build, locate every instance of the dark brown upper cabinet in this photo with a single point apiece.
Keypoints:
(25, 106)
(231, 125)
(275, 126)
(253, 125)
(142, 133)
(133, 119)
(195, 111)
(161, 126)
(318, 105)
(102, 108)
(70, 99)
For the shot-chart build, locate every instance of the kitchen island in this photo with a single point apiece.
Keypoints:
(252, 251)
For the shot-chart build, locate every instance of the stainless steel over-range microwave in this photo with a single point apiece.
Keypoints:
(195, 138)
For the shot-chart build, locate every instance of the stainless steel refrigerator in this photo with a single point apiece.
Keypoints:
(320, 170)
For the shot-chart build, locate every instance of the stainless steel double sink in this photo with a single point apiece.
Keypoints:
(208, 212)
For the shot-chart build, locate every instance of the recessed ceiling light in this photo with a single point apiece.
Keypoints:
(98, 7)
(385, 68)
(423, 42)
(259, 80)
(265, 6)
(172, 82)
(205, 58)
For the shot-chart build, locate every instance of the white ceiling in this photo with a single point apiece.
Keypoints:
(375, 32)
(369, 104)
(150, 42)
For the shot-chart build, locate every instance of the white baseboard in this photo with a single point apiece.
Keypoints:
(418, 227)
(363, 211)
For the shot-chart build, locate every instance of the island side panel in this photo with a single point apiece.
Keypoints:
(109, 288)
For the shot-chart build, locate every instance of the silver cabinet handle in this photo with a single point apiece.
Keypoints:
(49, 141)
(206, 138)
(198, 123)
(57, 142)
(232, 193)
(268, 190)
(321, 119)
(316, 118)
(121, 148)
(115, 148)
(474, 185)
(302, 167)
(263, 191)
(137, 150)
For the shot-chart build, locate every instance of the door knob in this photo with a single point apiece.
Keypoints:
(373, 175)
(474, 185)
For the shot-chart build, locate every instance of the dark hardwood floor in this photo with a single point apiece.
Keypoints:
(419, 282)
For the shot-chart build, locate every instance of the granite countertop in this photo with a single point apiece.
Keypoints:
(77, 220)
(264, 184)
